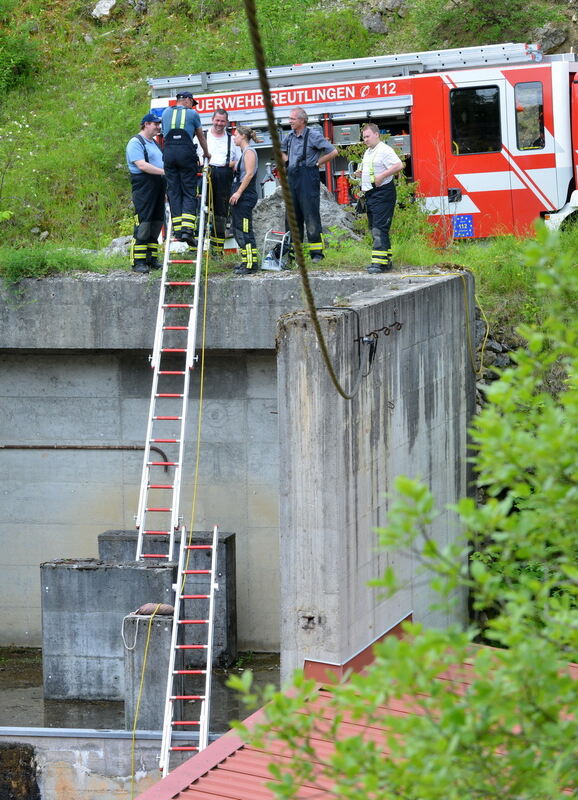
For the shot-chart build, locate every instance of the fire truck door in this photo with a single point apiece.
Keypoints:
(477, 191)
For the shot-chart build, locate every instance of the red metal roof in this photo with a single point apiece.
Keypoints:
(229, 769)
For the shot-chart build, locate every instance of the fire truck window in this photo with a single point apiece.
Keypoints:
(529, 104)
(475, 119)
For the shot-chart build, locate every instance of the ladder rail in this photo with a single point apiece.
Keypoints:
(169, 708)
(206, 707)
(192, 340)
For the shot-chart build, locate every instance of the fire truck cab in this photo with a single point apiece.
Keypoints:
(489, 134)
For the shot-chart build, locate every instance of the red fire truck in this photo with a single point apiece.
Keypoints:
(490, 133)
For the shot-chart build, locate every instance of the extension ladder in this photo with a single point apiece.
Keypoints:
(188, 704)
(172, 360)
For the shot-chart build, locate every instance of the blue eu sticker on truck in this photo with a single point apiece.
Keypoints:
(463, 225)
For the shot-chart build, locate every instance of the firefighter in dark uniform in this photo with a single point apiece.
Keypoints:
(380, 164)
(305, 150)
(224, 156)
(243, 200)
(181, 124)
(145, 163)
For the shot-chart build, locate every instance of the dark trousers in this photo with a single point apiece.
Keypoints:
(148, 197)
(380, 204)
(221, 180)
(305, 188)
(242, 213)
(181, 171)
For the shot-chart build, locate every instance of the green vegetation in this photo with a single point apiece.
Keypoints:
(437, 23)
(73, 88)
(513, 732)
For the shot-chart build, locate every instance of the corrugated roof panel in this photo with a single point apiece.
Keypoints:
(230, 770)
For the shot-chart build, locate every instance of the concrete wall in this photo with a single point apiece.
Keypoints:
(340, 457)
(74, 372)
(85, 765)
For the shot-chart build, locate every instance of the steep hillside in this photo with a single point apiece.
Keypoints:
(73, 87)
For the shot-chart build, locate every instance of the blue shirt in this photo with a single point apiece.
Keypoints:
(135, 151)
(317, 145)
(180, 117)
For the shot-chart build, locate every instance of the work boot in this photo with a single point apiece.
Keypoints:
(140, 267)
(317, 257)
(378, 268)
(241, 269)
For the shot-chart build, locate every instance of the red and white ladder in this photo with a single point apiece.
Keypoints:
(173, 359)
(188, 695)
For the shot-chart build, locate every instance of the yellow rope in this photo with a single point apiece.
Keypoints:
(201, 388)
(137, 709)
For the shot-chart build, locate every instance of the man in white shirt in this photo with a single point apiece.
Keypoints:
(224, 156)
(380, 164)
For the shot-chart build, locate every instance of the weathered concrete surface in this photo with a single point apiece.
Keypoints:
(74, 373)
(83, 606)
(118, 311)
(75, 765)
(117, 547)
(339, 457)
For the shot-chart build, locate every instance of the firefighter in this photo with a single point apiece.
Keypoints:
(181, 124)
(145, 163)
(243, 199)
(304, 151)
(224, 156)
(380, 164)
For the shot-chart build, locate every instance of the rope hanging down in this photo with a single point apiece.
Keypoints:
(251, 13)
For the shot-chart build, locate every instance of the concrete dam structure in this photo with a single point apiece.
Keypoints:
(299, 474)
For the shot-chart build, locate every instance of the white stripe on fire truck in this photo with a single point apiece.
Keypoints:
(526, 179)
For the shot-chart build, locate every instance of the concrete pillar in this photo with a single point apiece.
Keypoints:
(339, 458)
(151, 671)
(120, 547)
(83, 606)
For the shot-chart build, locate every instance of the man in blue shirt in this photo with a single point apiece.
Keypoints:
(181, 124)
(144, 159)
(304, 151)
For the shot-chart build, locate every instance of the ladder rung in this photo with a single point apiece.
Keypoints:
(195, 596)
(163, 464)
(177, 305)
(173, 350)
(182, 261)
(154, 555)
(193, 621)
(165, 441)
(187, 697)
(186, 722)
(153, 508)
(165, 418)
(182, 747)
(172, 372)
(161, 486)
(179, 283)
(191, 646)
(189, 672)
(169, 394)
(175, 327)
(153, 533)
(196, 572)
(198, 547)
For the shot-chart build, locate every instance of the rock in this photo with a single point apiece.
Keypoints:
(550, 36)
(480, 332)
(44, 235)
(88, 38)
(119, 246)
(374, 22)
(103, 8)
(491, 344)
(270, 213)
